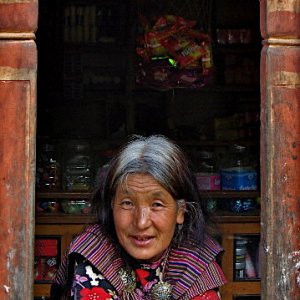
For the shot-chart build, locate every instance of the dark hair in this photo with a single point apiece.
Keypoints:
(162, 159)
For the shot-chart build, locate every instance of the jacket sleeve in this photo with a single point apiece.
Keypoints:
(61, 281)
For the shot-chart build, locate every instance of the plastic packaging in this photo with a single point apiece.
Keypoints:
(237, 171)
(206, 176)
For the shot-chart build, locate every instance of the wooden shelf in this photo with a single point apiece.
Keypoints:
(87, 195)
(216, 143)
(218, 218)
(63, 195)
(231, 194)
(211, 88)
(42, 290)
(61, 218)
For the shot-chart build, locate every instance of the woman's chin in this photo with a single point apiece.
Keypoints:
(149, 255)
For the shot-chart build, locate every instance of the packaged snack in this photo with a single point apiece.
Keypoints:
(183, 49)
(173, 54)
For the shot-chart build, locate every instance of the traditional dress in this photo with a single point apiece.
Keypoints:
(95, 268)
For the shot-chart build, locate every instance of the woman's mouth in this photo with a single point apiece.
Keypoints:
(141, 241)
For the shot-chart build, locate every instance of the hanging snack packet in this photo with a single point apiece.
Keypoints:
(184, 49)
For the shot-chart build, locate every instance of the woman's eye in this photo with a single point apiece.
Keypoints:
(157, 204)
(126, 204)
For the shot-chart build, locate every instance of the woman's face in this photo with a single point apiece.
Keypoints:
(145, 217)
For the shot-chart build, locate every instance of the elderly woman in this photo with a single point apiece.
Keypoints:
(149, 241)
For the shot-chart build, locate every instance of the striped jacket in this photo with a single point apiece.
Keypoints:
(191, 269)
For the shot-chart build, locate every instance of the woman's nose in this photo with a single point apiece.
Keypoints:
(142, 217)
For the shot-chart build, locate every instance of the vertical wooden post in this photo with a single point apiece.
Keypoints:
(280, 149)
(18, 63)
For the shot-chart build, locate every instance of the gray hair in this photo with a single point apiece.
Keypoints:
(162, 159)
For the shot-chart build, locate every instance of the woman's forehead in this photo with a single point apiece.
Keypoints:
(140, 183)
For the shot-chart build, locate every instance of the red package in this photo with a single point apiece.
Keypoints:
(183, 49)
(46, 247)
(174, 54)
(164, 27)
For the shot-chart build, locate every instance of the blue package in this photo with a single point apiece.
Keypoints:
(239, 179)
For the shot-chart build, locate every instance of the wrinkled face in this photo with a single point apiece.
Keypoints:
(145, 217)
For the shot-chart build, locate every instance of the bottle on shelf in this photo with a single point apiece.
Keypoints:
(48, 174)
(238, 171)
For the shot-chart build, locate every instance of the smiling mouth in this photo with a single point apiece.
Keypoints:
(142, 240)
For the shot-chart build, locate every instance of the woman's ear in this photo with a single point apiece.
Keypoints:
(181, 211)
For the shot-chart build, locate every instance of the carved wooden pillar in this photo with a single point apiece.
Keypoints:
(18, 63)
(280, 149)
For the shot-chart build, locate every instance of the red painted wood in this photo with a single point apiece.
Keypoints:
(280, 150)
(16, 192)
(18, 63)
(289, 25)
(16, 16)
(18, 55)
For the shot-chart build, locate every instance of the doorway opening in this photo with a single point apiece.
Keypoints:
(89, 102)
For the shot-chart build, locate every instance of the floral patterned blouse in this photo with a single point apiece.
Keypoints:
(89, 284)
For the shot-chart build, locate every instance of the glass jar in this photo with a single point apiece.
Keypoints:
(206, 176)
(77, 168)
(48, 206)
(75, 206)
(48, 171)
(237, 170)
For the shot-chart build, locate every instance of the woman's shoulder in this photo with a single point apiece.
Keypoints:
(192, 267)
(199, 254)
(92, 243)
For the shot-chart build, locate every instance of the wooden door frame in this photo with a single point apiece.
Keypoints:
(18, 69)
(280, 144)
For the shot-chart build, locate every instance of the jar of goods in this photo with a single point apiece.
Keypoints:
(48, 206)
(77, 168)
(240, 258)
(206, 176)
(237, 170)
(48, 171)
(80, 206)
